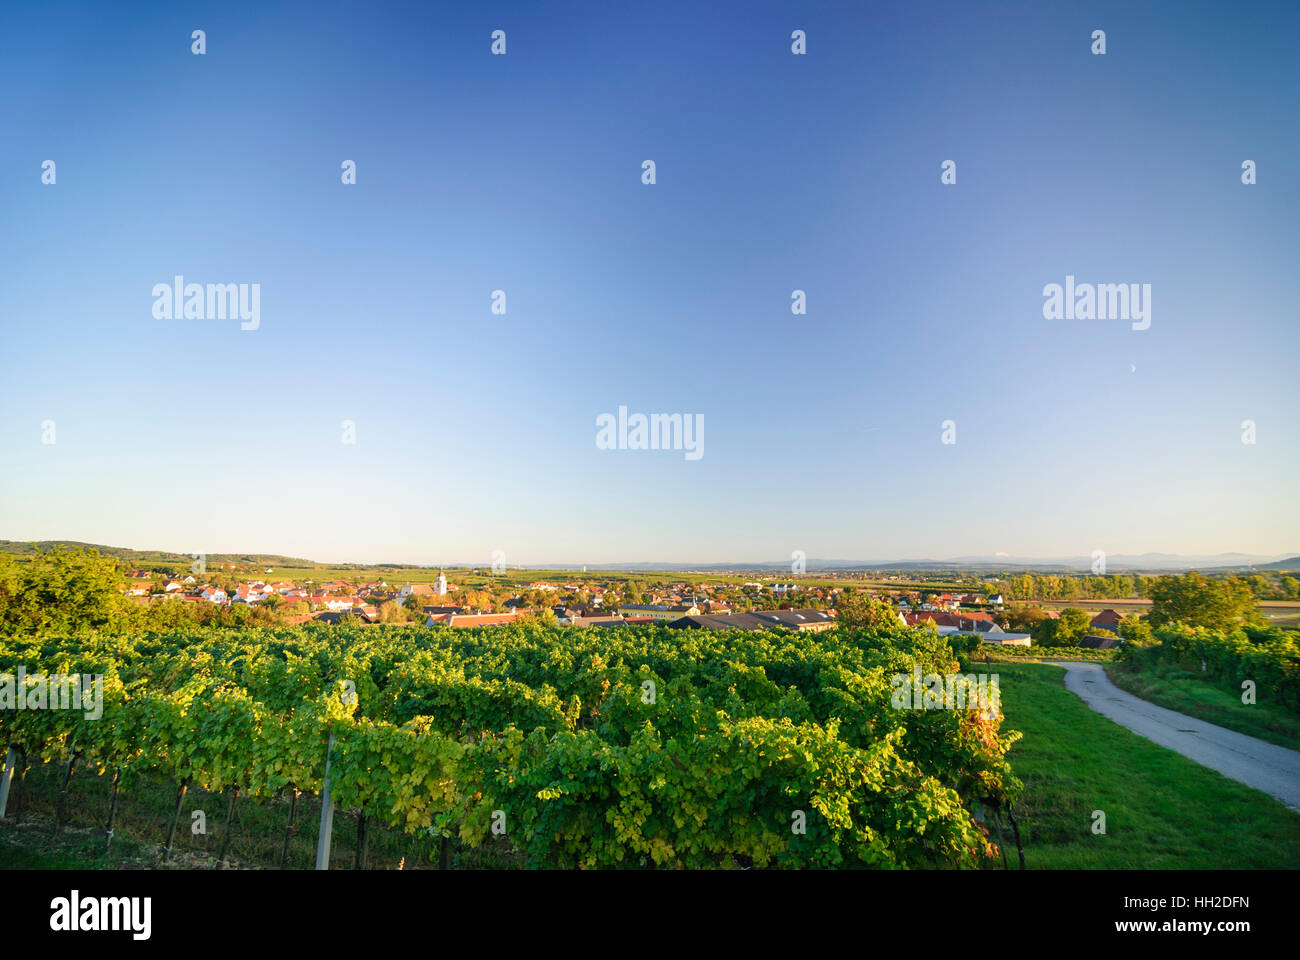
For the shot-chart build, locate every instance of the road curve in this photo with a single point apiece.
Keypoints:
(1265, 766)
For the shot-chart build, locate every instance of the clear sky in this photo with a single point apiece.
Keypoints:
(775, 172)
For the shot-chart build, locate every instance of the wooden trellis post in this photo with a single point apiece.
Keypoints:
(326, 815)
(11, 761)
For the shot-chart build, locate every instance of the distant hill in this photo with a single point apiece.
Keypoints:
(1292, 563)
(150, 556)
(1115, 563)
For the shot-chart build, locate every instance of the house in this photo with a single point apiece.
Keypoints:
(1099, 643)
(470, 619)
(1106, 620)
(597, 622)
(336, 617)
(415, 589)
(975, 622)
(251, 593)
(996, 635)
(481, 619)
(802, 621)
(658, 611)
(173, 586)
(1003, 638)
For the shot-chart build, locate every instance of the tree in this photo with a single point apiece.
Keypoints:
(1025, 618)
(857, 611)
(1135, 630)
(1260, 586)
(394, 613)
(295, 608)
(63, 591)
(1064, 631)
(543, 617)
(1198, 601)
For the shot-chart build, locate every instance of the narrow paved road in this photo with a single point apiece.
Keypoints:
(1265, 766)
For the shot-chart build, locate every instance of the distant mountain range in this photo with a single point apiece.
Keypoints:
(1145, 562)
(1114, 563)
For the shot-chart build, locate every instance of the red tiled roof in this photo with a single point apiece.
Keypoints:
(481, 619)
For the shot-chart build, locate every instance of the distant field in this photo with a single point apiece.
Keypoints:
(1280, 612)
(1134, 605)
(476, 576)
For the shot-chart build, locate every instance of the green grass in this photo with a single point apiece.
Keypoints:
(21, 858)
(144, 814)
(1177, 687)
(1162, 810)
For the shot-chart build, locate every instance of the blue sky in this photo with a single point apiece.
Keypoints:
(775, 172)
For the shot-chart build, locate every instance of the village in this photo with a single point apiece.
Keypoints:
(744, 605)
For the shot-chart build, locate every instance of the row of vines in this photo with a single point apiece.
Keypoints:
(628, 747)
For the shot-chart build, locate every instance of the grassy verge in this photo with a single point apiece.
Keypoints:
(1162, 810)
(1178, 687)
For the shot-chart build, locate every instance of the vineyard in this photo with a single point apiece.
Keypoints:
(632, 748)
(1267, 657)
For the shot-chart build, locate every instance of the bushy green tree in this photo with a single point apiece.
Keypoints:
(1136, 630)
(857, 611)
(63, 591)
(1198, 601)
(1065, 630)
(1026, 618)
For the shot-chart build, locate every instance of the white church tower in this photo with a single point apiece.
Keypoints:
(440, 585)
